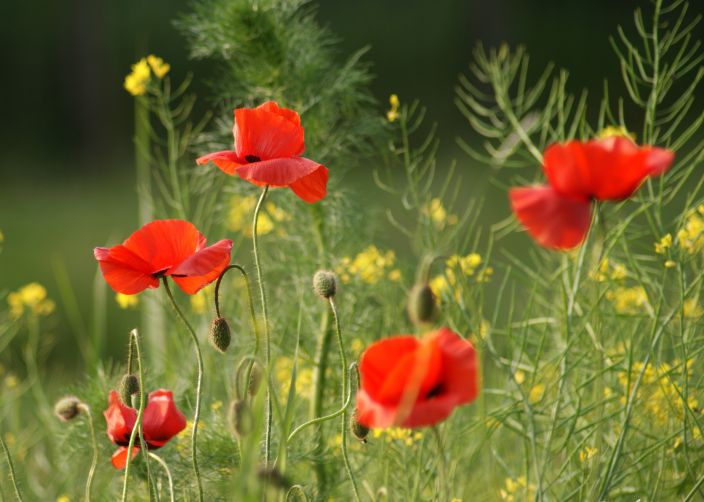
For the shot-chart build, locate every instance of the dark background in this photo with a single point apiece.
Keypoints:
(66, 170)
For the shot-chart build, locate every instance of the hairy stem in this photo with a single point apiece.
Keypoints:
(11, 468)
(168, 474)
(94, 442)
(199, 388)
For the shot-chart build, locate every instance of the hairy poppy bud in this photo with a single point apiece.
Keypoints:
(67, 408)
(255, 379)
(220, 334)
(129, 386)
(240, 417)
(359, 431)
(324, 284)
(422, 307)
(273, 477)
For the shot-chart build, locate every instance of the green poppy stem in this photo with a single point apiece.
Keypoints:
(11, 468)
(94, 462)
(168, 474)
(267, 340)
(199, 387)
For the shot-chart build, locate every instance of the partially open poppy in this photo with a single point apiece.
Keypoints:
(268, 148)
(411, 382)
(558, 215)
(162, 420)
(163, 248)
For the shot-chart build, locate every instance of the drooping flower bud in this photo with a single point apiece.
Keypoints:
(273, 477)
(240, 417)
(67, 408)
(255, 379)
(422, 307)
(359, 431)
(129, 386)
(324, 284)
(220, 334)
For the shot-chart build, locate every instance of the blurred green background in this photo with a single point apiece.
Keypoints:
(67, 175)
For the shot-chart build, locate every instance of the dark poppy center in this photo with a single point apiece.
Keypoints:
(252, 158)
(160, 273)
(435, 391)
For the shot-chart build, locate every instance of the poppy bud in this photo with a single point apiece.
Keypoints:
(359, 431)
(273, 477)
(129, 386)
(422, 307)
(67, 408)
(324, 284)
(220, 334)
(255, 379)
(240, 417)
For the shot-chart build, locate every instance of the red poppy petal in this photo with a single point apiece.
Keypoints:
(554, 221)
(120, 419)
(268, 132)
(162, 419)
(124, 271)
(165, 243)
(460, 366)
(313, 187)
(226, 160)
(658, 160)
(203, 267)
(566, 167)
(119, 458)
(380, 356)
(278, 172)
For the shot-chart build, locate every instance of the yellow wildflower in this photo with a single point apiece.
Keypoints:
(587, 454)
(63, 498)
(609, 270)
(127, 301)
(216, 405)
(392, 114)
(627, 300)
(485, 274)
(438, 214)
(615, 131)
(11, 381)
(691, 237)
(158, 66)
(536, 393)
(240, 216)
(136, 82)
(357, 346)
(517, 490)
(670, 264)
(403, 435)
(663, 244)
(692, 309)
(32, 299)
(370, 265)
(283, 370)
(183, 439)
(395, 275)
(519, 376)
(439, 284)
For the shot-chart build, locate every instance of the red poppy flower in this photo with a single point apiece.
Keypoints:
(413, 383)
(162, 248)
(559, 215)
(161, 421)
(268, 148)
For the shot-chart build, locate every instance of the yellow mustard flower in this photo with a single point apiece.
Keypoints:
(240, 216)
(517, 489)
(587, 454)
(519, 376)
(392, 114)
(395, 275)
(136, 82)
(670, 264)
(283, 370)
(663, 244)
(63, 498)
(127, 301)
(402, 435)
(615, 131)
(31, 299)
(536, 393)
(692, 309)
(216, 405)
(609, 270)
(691, 237)
(369, 266)
(438, 214)
(628, 300)
(11, 381)
(203, 298)
(158, 66)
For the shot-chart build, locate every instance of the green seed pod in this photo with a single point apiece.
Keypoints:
(129, 386)
(255, 379)
(422, 307)
(220, 334)
(67, 408)
(359, 431)
(324, 284)
(273, 477)
(240, 417)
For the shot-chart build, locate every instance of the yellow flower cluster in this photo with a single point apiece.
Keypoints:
(615, 131)
(203, 298)
(183, 439)
(137, 80)
(587, 453)
(628, 300)
(127, 302)
(658, 393)
(517, 489)
(438, 214)
(240, 216)
(691, 237)
(692, 309)
(283, 369)
(31, 299)
(609, 271)
(392, 114)
(459, 266)
(406, 436)
(370, 266)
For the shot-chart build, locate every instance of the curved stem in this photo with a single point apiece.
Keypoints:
(199, 387)
(94, 463)
(134, 339)
(168, 474)
(11, 468)
(343, 431)
(332, 415)
(267, 341)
